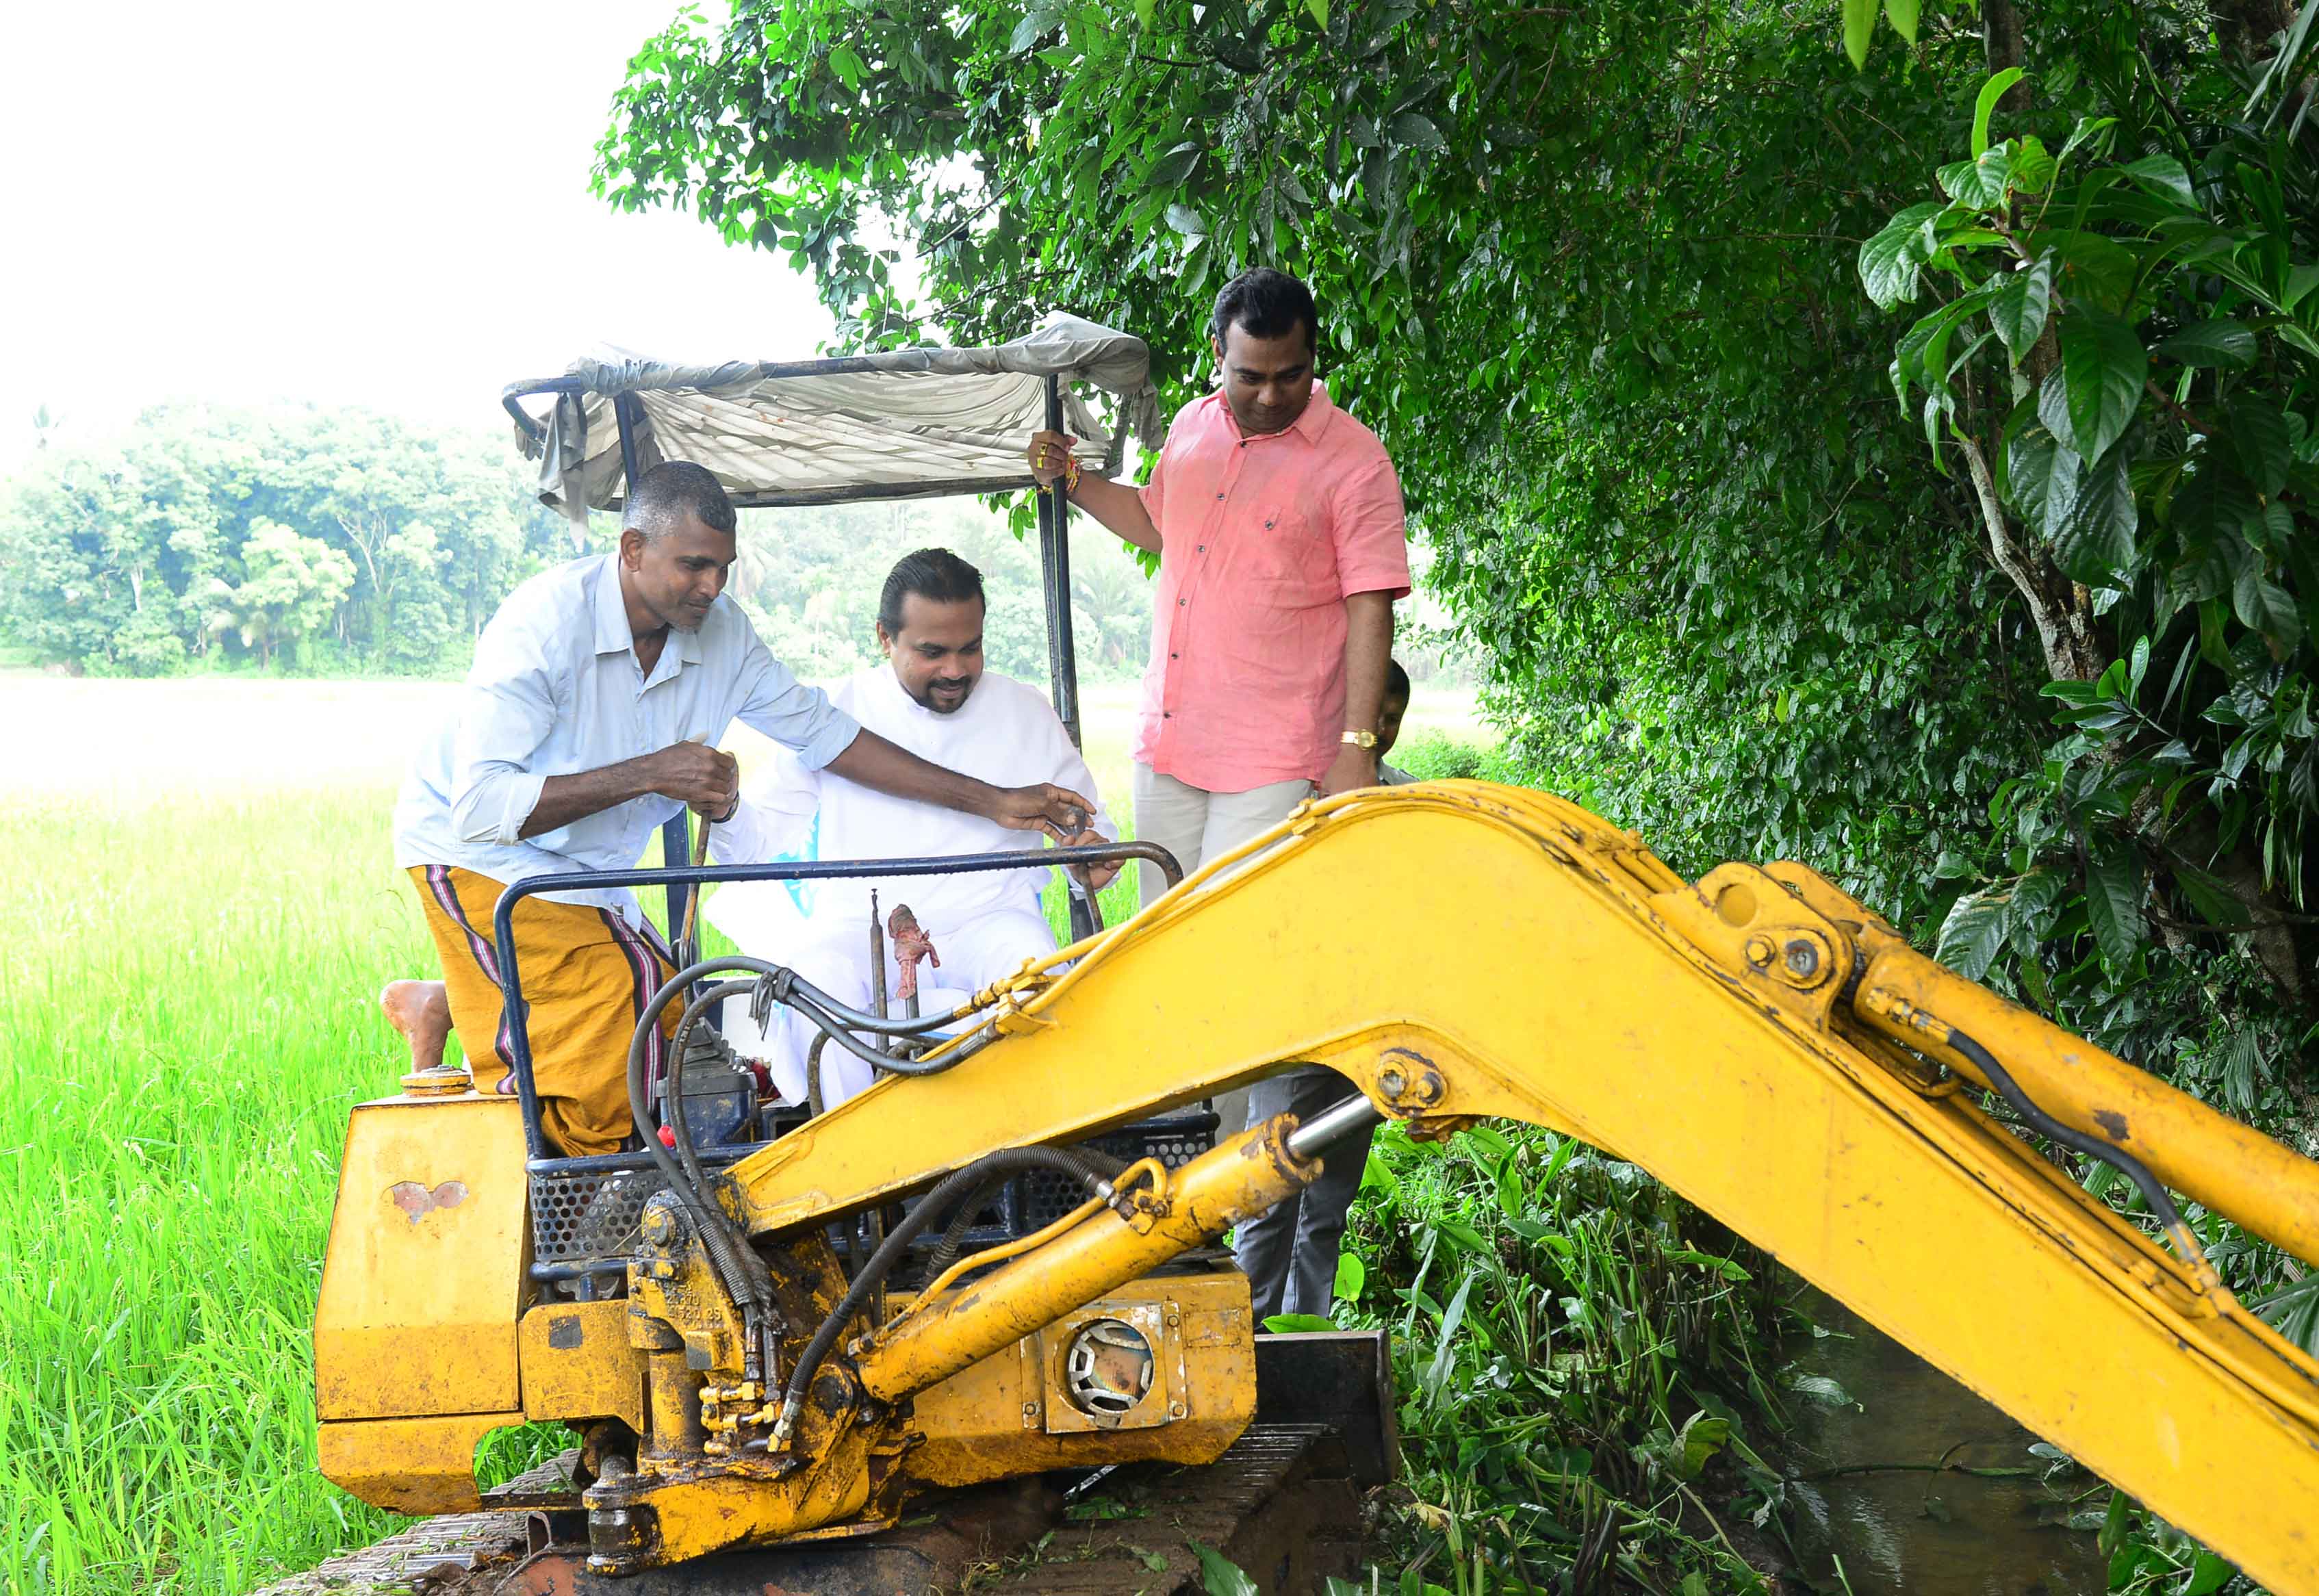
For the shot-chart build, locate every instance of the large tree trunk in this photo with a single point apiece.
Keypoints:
(2000, 47)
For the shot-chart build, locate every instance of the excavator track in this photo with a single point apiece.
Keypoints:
(1273, 1504)
(1285, 1503)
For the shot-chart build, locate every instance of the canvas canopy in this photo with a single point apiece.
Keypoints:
(907, 423)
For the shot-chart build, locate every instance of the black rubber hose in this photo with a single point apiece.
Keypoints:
(953, 1241)
(814, 1105)
(2161, 1203)
(680, 1129)
(1006, 1161)
(739, 1280)
(729, 1249)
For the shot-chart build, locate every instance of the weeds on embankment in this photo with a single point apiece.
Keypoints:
(1581, 1361)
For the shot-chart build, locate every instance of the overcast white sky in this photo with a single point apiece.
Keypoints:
(375, 204)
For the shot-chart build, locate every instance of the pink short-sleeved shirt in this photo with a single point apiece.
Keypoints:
(1261, 541)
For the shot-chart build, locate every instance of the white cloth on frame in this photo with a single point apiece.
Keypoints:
(983, 926)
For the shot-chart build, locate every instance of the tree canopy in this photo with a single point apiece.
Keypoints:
(2024, 659)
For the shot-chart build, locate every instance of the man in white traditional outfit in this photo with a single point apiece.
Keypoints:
(933, 698)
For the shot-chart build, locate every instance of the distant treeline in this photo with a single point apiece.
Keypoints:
(342, 541)
(291, 538)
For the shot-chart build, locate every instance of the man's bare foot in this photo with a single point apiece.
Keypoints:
(422, 1011)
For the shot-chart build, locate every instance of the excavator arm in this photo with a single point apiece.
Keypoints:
(1758, 1040)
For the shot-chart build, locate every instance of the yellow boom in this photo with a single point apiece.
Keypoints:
(1758, 1040)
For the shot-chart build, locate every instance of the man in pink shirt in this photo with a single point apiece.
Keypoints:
(1277, 520)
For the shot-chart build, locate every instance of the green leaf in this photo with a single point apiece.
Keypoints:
(1466, 1239)
(1731, 1269)
(1171, 168)
(1974, 932)
(1978, 183)
(1821, 1388)
(2088, 127)
(2045, 479)
(848, 66)
(2095, 537)
(2104, 365)
(1416, 132)
(2208, 894)
(2259, 440)
(2020, 307)
(2114, 1526)
(1703, 1436)
(1035, 24)
(1437, 1372)
(2033, 168)
(1902, 15)
(2208, 1575)
(1186, 221)
(1991, 92)
(1297, 1324)
(1859, 23)
(1219, 1574)
(1319, 10)
(2162, 175)
(2114, 904)
(2088, 265)
(2265, 606)
(2221, 344)
(1352, 1276)
(1888, 261)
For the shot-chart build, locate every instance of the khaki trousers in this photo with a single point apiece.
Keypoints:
(1197, 826)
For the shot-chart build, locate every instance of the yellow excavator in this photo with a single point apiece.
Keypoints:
(765, 1340)
(1766, 1046)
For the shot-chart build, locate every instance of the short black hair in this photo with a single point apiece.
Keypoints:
(1397, 682)
(675, 489)
(934, 573)
(1264, 304)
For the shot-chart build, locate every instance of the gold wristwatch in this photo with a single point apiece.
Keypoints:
(1361, 739)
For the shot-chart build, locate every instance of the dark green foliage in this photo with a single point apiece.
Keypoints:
(1570, 1341)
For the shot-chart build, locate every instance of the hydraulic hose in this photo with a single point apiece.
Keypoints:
(750, 1288)
(680, 1129)
(2160, 1201)
(953, 1241)
(1079, 1163)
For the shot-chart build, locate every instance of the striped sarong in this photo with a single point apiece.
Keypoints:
(586, 976)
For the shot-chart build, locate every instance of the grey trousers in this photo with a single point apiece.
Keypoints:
(1290, 1254)
(1196, 826)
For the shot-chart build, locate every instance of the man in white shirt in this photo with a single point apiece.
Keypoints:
(934, 697)
(599, 692)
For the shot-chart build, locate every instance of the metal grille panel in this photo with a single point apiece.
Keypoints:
(591, 1215)
(580, 1216)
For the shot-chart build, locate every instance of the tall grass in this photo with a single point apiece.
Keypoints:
(186, 1012)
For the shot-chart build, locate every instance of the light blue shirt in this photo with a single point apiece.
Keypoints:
(557, 690)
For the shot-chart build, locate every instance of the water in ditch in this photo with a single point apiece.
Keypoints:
(1880, 1503)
